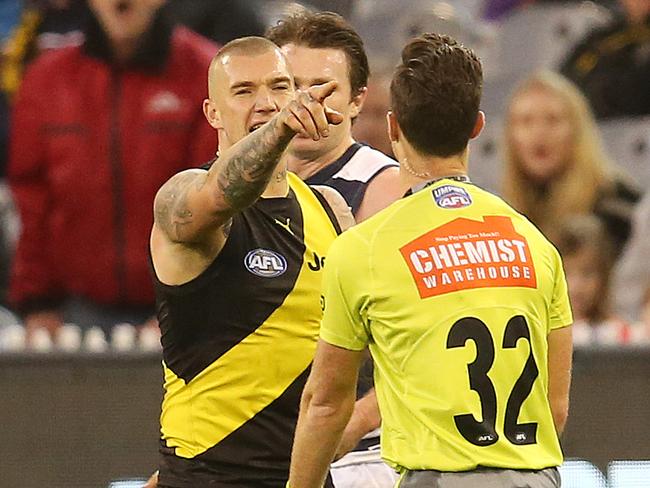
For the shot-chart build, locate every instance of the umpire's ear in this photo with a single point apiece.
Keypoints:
(395, 136)
(478, 125)
(393, 129)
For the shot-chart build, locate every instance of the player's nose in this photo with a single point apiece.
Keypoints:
(264, 102)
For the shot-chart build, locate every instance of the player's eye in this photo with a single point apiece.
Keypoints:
(283, 87)
(243, 91)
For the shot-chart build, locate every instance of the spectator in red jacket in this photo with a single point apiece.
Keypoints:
(96, 130)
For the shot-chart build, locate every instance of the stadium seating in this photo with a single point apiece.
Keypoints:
(541, 35)
(627, 141)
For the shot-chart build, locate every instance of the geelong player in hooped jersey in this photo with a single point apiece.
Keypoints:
(319, 47)
(460, 299)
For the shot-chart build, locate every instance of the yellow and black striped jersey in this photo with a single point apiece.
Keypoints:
(238, 342)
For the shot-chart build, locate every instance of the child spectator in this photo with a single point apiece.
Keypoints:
(586, 253)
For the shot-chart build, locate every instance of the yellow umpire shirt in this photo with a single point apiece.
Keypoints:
(455, 294)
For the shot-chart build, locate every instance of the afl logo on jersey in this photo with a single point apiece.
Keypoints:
(449, 196)
(265, 263)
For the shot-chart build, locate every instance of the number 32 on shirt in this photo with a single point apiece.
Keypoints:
(483, 433)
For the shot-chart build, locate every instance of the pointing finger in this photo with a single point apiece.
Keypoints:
(333, 117)
(321, 92)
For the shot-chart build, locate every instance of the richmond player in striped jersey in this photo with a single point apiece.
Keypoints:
(238, 252)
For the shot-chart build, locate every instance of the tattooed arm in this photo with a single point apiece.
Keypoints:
(194, 203)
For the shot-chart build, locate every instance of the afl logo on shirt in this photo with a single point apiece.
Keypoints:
(265, 263)
(449, 196)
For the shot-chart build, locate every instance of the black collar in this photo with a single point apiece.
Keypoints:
(422, 186)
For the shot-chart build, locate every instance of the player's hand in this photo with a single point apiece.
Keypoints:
(308, 114)
(349, 440)
(152, 482)
(365, 418)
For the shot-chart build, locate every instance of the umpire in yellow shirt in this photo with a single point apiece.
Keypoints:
(460, 299)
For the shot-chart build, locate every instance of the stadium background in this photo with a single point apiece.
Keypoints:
(83, 419)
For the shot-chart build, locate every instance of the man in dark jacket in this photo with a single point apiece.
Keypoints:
(96, 130)
(220, 21)
(612, 64)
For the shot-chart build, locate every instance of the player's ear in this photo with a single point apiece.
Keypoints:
(356, 104)
(212, 114)
(478, 125)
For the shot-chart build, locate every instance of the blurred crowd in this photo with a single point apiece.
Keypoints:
(100, 103)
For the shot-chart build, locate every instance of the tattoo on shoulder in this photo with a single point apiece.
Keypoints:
(243, 177)
(171, 211)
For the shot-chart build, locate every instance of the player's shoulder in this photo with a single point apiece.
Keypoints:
(340, 211)
(369, 153)
(181, 179)
(365, 164)
(372, 159)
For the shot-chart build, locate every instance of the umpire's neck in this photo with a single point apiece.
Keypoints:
(417, 167)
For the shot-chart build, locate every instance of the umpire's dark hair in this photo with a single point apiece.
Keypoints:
(435, 94)
(322, 30)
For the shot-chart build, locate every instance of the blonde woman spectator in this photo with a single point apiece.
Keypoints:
(555, 164)
(586, 252)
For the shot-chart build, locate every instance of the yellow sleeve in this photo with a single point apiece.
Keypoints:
(343, 300)
(560, 312)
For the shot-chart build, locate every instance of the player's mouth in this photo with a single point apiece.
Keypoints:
(254, 127)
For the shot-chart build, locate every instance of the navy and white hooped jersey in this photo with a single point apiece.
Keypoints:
(351, 174)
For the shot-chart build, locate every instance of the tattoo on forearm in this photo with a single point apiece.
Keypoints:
(244, 176)
(171, 211)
